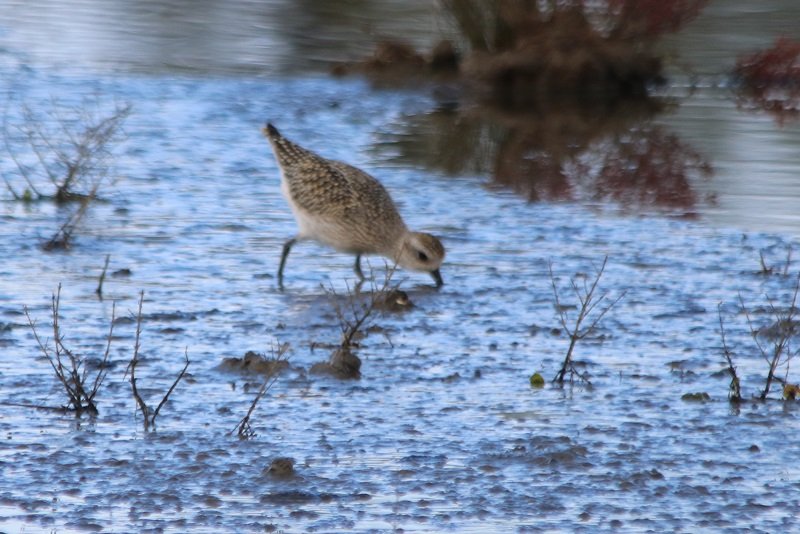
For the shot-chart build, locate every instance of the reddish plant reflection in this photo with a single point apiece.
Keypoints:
(569, 155)
(526, 51)
(650, 166)
(647, 19)
(644, 168)
(770, 80)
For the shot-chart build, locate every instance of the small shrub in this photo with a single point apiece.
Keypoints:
(589, 316)
(775, 343)
(355, 311)
(69, 366)
(63, 157)
(537, 380)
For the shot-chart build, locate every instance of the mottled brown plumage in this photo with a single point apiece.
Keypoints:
(343, 207)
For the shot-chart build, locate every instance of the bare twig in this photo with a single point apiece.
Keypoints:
(62, 238)
(104, 364)
(243, 428)
(99, 289)
(768, 270)
(134, 361)
(12, 153)
(788, 261)
(764, 268)
(148, 415)
(172, 387)
(355, 312)
(734, 391)
(588, 303)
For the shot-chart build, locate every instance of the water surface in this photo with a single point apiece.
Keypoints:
(442, 432)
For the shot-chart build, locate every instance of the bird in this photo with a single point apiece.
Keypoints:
(345, 208)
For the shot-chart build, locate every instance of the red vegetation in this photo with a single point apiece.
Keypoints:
(770, 79)
(651, 167)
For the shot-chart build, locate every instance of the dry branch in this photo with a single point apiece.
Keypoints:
(102, 278)
(588, 303)
(73, 153)
(68, 366)
(781, 352)
(243, 428)
(734, 391)
(149, 415)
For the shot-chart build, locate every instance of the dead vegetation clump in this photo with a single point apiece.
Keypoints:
(397, 62)
(70, 367)
(257, 363)
(590, 313)
(776, 342)
(526, 51)
(558, 56)
(63, 157)
(354, 312)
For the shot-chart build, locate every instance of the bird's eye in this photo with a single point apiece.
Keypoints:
(422, 256)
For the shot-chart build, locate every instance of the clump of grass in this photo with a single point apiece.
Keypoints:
(71, 153)
(69, 366)
(278, 361)
(148, 414)
(590, 313)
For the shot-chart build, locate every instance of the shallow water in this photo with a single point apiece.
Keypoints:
(442, 432)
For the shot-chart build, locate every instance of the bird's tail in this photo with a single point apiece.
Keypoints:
(271, 132)
(285, 151)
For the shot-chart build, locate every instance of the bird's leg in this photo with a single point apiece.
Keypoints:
(285, 254)
(357, 268)
(357, 287)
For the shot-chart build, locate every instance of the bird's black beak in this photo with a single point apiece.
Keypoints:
(438, 277)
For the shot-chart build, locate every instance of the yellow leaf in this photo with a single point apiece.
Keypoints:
(791, 391)
(537, 380)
